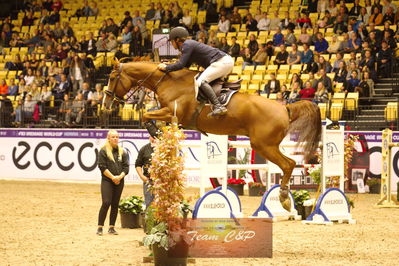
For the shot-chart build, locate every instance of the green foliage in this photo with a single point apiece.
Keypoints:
(300, 196)
(350, 201)
(373, 181)
(315, 173)
(185, 208)
(133, 204)
(158, 235)
(241, 160)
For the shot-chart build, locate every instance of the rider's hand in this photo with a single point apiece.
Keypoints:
(162, 67)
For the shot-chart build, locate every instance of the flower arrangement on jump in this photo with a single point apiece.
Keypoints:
(236, 181)
(348, 147)
(166, 171)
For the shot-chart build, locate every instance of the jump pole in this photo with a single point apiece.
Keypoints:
(387, 200)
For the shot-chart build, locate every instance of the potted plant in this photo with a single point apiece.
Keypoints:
(374, 185)
(315, 173)
(169, 246)
(256, 189)
(237, 185)
(350, 201)
(300, 196)
(131, 209)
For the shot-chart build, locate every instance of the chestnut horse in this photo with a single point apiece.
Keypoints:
(265, 122)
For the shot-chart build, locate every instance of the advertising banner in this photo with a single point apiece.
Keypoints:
(71, 155)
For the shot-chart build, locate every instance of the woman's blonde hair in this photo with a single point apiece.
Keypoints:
(108, 148)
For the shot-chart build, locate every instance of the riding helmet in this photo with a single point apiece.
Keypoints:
(178, 32)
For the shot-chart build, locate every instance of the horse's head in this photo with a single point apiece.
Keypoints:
(119, 84)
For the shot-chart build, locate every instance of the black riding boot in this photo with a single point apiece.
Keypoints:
(151, 128)
(218, 109)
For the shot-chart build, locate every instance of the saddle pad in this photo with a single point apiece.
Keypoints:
(225, 97)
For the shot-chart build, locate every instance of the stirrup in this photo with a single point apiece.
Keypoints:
(218, 111)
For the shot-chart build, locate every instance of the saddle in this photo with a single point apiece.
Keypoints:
(224, 90)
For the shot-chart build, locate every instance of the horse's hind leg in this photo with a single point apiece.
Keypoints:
(273, 154)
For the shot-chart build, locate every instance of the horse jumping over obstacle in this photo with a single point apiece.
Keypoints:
(264, 121)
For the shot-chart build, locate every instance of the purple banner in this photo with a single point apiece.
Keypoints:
(85, 133)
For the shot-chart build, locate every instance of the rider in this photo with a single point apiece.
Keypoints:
(217, 64)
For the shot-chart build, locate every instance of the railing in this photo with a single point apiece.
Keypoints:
(54, 115)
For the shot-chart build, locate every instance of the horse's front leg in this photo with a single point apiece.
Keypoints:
(163, 114)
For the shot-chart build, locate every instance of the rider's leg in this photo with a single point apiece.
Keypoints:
(216, 70)
(210, 94)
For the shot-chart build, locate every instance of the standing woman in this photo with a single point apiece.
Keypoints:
(113, 162)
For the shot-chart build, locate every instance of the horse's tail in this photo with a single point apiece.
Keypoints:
(305, 120)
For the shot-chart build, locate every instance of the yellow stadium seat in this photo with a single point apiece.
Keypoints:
(237, 70)
(338, 97)
(323, 110)
(273, 96)
(391, 112)
(253, 88)
(351, 101)
(336, 111)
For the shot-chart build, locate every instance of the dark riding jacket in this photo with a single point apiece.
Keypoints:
(196, 52)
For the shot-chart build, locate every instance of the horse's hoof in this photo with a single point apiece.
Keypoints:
(284, 199)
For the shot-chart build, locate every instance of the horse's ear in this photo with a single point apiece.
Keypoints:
(116, 63)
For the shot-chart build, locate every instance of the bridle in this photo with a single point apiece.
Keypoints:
(138, 87)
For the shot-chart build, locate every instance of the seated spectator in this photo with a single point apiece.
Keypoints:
(125, 20)
(340, 26)
(67, 30)
(389, 39)
(111, 28)
(353, 83)
(13, 88)
(235, 16)
(187, 20)
(28, 19)
(384, 60)
(175, 19)
(376, 17)
(275, 22)
(321, 95)
(278, 38)
(26, 110)
(96, 97)
(322, 6)
(85, 91)
(324, 64)
(3, 87)
(251, 23)
(202, 30)
(290, 38)
(253, 44)
(364, 16)
(137, 18)
(367, 64)
(296, 78)
(75, 114)
(355, 43)
(281, 57)
(286, 22)
(294, 57)
(95, 11)
(325, 80)
(224, 24)
(126, 36)
(338, 60)
(280, 98)
(247, 58)
(313, 81)
(150, 14)
(102, 42)
(304, 37)
(135, 48)
(269, 50)
(264, 22)
(334, 46)
(273, 85)
(344, 46)
(352, 66)
(307, 93)
(307, 57)
(294, 92)
(367, 90)
(260, 57)
(321, 45)
(341, 73)
(112, 45)
(235, 48)
(313, 38)
(213, 39)
(304, 21)
(224, 46)
(29, 77)
(59, 89)
(285, 92)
